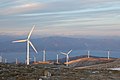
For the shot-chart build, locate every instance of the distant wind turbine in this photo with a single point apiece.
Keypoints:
(5, 60)
(28, 45)
(88, 54)
(1, 59)
(44, 55)
(108, 54)
(16, 61)
(34, 58)
(67, 56)
(57, 58)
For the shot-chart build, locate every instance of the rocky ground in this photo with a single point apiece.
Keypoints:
(54, 72)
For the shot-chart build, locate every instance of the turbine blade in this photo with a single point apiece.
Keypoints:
(33, 47)
(19, 41)
(31, 31)
(69, 52)
(63, 53)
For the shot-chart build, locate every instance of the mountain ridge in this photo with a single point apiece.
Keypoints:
(60, 43)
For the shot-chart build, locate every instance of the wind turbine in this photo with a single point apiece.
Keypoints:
(44, 55)
(108, 54)
(16, 61)
(34, 58)
(5, 60)
(57, 58)
(88, 54)
(67, 56)
(29, 43)
(1, 58)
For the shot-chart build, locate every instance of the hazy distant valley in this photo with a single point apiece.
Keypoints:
(60, 43)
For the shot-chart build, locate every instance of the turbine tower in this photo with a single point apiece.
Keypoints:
(67, 56)
(88, 54)
(29, 43)
(44, 55)
(5, 60)
(34, 59)
(57, 58)
(108, 54)
(16, 61)
(1, 59)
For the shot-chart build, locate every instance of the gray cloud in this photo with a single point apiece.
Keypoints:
(72, 17)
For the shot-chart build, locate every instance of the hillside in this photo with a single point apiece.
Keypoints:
(81, 61)
(114, 64)
(88, 61)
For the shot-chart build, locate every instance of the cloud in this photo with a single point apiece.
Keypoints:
(62, 17)
(22, 8)
(74, 11)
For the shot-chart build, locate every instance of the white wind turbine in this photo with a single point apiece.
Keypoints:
(67, 56)
(5, 60)
(108, 54)
(34, 59)
(44, 55)
(57, 58)
(16, 61)
(29, 43)
(88, 54)
(1, 59)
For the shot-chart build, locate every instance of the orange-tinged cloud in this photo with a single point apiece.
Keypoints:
(22, 8)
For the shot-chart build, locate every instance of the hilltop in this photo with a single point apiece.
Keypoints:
(80, 61)
(114, 64)
(88, 61)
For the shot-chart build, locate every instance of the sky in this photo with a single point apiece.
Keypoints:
(60, 17)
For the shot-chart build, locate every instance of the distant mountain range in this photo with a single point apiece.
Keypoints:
(59, 43)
